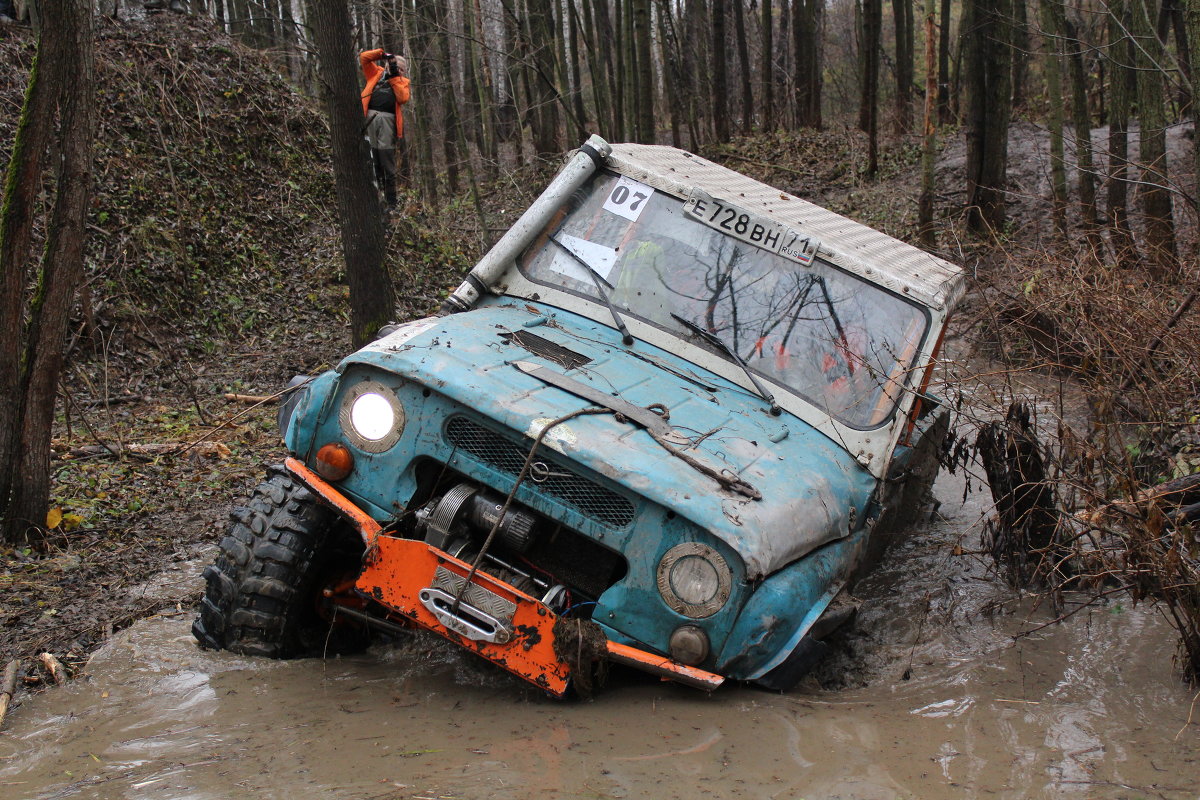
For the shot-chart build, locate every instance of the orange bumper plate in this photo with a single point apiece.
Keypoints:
(398, 571)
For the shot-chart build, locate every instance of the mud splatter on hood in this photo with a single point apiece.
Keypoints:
(808, 485)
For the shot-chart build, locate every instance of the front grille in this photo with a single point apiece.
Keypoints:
(562, 483)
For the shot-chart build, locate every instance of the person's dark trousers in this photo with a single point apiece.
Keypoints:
(385, 172)
(381, 135)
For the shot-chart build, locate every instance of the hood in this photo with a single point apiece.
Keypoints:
(808, 485)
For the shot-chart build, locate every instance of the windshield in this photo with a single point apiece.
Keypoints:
(842, 343)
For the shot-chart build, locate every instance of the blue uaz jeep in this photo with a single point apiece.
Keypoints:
(661, 423)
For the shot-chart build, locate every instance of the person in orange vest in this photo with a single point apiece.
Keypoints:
(382, 101)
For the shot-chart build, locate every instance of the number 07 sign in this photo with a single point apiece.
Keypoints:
(628, 199)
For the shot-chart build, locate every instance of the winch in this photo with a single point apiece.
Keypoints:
(457, 521)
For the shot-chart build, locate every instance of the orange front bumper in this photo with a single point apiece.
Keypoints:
(401, 573)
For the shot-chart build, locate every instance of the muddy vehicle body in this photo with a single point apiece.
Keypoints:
(660, 423)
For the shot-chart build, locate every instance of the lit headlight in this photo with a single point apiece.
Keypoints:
(694, 579)
(371, 417)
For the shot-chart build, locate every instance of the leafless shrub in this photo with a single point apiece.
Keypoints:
(1111, 504)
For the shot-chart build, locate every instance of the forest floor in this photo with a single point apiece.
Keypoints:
(213, 272)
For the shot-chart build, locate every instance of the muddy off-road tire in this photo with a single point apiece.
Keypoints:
(262, 595)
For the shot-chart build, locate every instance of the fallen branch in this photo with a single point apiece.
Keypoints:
(113, 401)
(1180, 492)
(207, 449)
(8, 688)
(57, 671)
(252, 399)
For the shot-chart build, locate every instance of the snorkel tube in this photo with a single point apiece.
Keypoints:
(482, 278)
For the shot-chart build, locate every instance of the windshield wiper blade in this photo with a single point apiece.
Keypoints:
(715, 340)
(598, 279)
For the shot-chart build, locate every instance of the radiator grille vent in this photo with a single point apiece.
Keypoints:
(560, 482)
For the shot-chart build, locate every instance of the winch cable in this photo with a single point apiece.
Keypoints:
(729, 480)
(487, 543)
(654, 418)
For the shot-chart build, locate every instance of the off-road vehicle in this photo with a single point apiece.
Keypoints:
(660, 423)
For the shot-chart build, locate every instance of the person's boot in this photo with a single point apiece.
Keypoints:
(390, 197)
(154, 5)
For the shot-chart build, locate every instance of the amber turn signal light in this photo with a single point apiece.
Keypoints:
(334, 462)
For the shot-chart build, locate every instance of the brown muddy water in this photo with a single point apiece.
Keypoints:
(937, 699)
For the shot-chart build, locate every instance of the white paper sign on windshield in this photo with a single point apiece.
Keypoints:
(597, 256)
(628, 199)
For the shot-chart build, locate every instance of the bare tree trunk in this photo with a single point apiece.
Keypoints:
(720, 89)
(1172, 14)
(451, 120)
(1192, 17)
(786, 102)
(629, 76)
(988, 67)
(420, 62)
(807, 16)
(697, 83)
(767, 69)
(479, 84)
(1020, 53)
(576, 72)
(645, 71)
(372, 301)
(673, 82)
(1155, 196)
(22, 186)
(546, 135)
(1122, 85)
(66, 63)
(611, 87)
(926, 232)
(902, 19)
(869, 115)
(743, 50)
(508, 122)
(944, 64)
(1082, 122)
(1051, 16)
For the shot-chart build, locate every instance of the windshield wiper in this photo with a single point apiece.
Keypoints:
(713, 339)
(598, 279)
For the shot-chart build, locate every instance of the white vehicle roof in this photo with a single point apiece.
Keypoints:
(874, 256)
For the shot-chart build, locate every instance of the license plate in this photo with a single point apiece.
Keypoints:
(751, 228)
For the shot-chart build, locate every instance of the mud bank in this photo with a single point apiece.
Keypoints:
(1090, 708)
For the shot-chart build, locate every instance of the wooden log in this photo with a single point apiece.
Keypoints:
(1175, 494)
(252, 399)
(207, 449)
(8, 688)
(57, 671)
(113, 401)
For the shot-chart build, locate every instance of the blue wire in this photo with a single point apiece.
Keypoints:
(579, 605)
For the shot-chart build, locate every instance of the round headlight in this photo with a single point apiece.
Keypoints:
(694, 579)
(372, 418)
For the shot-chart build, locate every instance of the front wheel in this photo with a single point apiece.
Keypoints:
(263, 593)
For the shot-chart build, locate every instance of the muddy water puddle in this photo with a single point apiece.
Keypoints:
(1090, 708)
